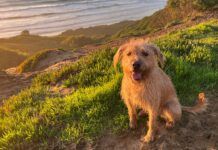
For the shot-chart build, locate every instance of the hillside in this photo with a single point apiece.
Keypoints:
(29, 45)
(176, 12)
(98, 31)
(10, 59)
(43, 60)
(43, 117)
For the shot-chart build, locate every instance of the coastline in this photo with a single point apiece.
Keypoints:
(51, 19)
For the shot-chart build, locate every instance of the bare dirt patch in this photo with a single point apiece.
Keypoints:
(11, 84)
(193, 132)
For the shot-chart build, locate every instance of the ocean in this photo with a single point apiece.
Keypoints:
(51, 17)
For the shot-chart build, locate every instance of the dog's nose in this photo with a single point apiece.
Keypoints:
(136, 65)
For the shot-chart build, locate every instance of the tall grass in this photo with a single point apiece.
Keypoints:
(35, 118)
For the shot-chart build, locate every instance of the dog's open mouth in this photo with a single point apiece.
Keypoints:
(136, 75)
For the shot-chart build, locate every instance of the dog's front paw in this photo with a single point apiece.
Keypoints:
(148, 138)
(133, 124)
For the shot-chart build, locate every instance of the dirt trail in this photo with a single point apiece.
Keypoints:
(198, 132)
(11, 84)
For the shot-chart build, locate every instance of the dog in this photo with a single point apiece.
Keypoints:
(147, 87)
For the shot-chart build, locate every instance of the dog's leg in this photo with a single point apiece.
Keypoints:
(151, 126)
(132, 114)
(172, 112)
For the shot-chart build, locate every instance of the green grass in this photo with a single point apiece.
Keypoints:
(173, 23)
(31, 62)
(199, 4)
(79, 41)
(175, 12)
(37, 119)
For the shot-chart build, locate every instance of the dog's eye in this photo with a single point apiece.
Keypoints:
(145, 53)
(128, 54)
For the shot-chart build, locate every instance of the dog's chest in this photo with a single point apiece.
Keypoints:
(139, 94)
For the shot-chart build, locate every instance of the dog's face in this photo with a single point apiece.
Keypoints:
(138, 58)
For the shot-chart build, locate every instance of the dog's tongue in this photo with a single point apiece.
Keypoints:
(137, 76)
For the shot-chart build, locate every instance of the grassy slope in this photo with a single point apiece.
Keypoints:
(36, 117)
(98, 31)
(31, 62)
(176, 12)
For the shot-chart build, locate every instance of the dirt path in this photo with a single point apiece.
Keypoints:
(192, 133)
(11, 84)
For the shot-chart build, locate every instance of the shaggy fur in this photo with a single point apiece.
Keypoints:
(146, 86)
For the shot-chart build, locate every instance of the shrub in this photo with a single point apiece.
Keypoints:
(25, 33)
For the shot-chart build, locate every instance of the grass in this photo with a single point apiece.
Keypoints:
(79, 41)
(192, 58)
(35, 118)
(173, 23)
(31, 62)
(175, 12)
(199, 4)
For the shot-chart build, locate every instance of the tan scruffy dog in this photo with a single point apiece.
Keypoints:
(146, 86)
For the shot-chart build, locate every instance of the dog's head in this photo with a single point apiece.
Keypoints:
(138, 58)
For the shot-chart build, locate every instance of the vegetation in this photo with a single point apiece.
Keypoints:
(199, 4)
(192, 56)
(173, 23)
(31, 62)
(98, 31)
(36, 117)
(79, 41)
(176, 12)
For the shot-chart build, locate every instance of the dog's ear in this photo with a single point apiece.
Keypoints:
(118, 55)
(160, 57)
